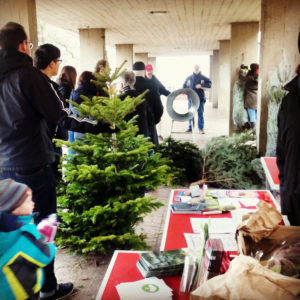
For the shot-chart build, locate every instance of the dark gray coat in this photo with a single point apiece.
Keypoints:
(288, 151)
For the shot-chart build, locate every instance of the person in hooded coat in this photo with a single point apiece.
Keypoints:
(153, 105)
(251, 85)
(288, 149)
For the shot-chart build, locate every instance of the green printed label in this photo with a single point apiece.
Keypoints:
(150, 288)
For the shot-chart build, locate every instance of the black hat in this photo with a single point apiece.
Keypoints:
(138, 66)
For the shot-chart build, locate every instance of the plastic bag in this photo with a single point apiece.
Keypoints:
(286, 260)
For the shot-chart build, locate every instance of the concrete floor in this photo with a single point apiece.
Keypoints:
(87, 274)
(215, 124)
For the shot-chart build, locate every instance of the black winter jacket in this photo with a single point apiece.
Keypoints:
(27, 104)
(141, 111)
(65, 92)
(159, 86)
(153, 105)
(288, 151)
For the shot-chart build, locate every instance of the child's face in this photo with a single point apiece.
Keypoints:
(26, 208)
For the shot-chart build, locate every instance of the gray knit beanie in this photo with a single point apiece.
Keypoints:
(12, 194)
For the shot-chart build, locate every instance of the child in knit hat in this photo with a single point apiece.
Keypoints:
(22, 252)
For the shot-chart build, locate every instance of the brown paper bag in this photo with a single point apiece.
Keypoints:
(260, 235)
(247, 279)
(262, 223)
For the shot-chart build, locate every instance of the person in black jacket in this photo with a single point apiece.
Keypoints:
(141, 110)
(47, 60)
(288, 150)
(154, 80)
(86, 88)
(159, 87)
(153, 104)
(28, 103)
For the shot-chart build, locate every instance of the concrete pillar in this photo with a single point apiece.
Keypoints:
(124, 52)
(92, 47)
(141, 57)
(244, 49)
(152, 61)
(214, 75)
(280, 25)
(22, 12)
(224, 79)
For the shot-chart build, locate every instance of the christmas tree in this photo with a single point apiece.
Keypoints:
(102, 195)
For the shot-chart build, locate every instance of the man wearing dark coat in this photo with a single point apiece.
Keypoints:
(154, 80)
(29, 106)
(154, 106)
(288, 150)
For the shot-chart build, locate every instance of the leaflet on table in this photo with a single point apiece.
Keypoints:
(249, 201)
(238, 214)
(149, 288)
(209, 205)
(215, 225)
(226, 202)
(195, 240)
(242, 194)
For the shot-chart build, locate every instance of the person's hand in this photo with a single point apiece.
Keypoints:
(198, 86)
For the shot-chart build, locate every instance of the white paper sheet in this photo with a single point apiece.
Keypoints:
(149, 288)
(249, 201)
(216, 225)
(228, 240)
(237, 214)
(228, 202)
(194, 240)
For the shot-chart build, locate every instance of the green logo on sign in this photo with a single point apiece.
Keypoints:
(150, 288)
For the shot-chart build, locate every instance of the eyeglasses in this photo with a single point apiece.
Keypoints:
(58, 60)
(30, 44)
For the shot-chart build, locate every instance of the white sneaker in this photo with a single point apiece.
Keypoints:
(201, 131)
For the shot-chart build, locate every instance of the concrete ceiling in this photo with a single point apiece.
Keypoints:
(187, 27)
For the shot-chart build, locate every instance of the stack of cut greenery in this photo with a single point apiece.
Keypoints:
(225, 162)
(101, 198)
(185, 160)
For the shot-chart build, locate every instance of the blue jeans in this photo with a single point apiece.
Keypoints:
(200, 115)
(252, 113)
(42, 181)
